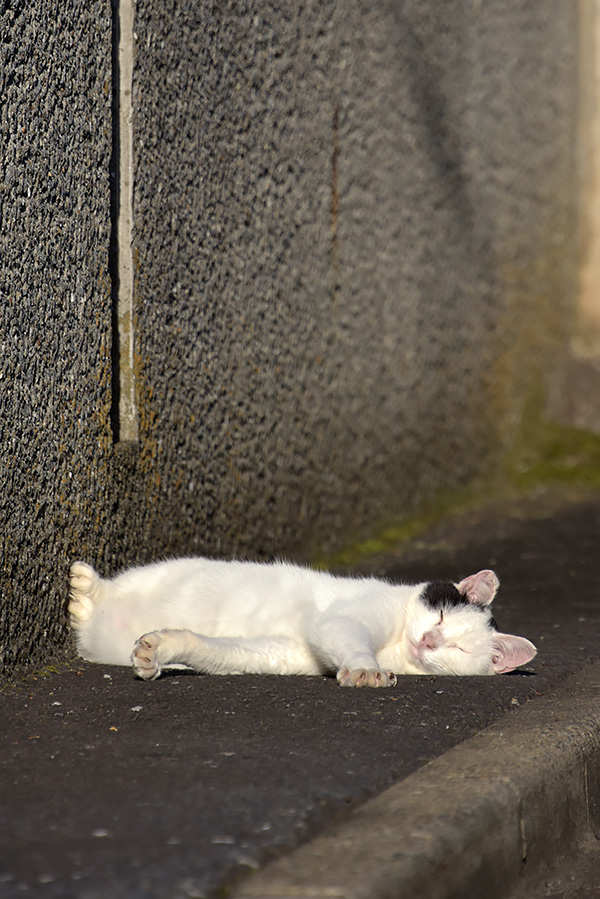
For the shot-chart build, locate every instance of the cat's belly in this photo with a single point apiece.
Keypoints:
(110, 635)
(99, 643)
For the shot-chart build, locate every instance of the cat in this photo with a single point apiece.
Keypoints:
(232, 617)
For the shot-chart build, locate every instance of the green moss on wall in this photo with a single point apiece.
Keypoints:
(545, 455)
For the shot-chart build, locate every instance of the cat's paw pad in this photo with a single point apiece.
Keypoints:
(362, 677)
(84, 590)
(144, 657)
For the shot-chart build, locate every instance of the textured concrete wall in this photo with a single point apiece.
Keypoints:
(55, 440)
(355, 236)
(581, 406)
(354, 246)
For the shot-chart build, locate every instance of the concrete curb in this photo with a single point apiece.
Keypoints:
(510, 800)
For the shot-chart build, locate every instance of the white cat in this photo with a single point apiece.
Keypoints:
(224, 617)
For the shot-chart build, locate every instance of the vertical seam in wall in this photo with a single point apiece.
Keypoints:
(124, 411)
(335, 203)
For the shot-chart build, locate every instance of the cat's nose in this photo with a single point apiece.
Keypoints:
(431, 640)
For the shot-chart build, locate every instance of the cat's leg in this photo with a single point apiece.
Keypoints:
(86, 590)
(159, 648)
(345, 645)
(220, 655)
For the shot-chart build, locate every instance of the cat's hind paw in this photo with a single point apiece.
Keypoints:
(85, 590)
(361, 677)
(144, 657)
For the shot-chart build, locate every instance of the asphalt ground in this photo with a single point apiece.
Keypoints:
(181, 787)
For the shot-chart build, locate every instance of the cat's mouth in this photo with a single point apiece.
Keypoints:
(416, 651)
(417, 661)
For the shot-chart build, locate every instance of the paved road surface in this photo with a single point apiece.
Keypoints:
(110, 787)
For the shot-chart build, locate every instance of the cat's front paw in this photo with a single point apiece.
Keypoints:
(361, 677)
(145, 654)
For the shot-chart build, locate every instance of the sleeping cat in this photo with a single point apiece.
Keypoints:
(224, 617)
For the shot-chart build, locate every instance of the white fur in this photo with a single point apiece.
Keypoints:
(245, 617)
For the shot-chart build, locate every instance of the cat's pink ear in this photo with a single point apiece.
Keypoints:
(479, 588)
(508, 652)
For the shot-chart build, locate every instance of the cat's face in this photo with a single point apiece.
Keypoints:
(451, 631)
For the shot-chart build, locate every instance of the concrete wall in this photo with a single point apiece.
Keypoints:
(354, 247)
(55, 318)
(582, 395)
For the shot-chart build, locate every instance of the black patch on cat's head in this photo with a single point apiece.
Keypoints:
(440, 595)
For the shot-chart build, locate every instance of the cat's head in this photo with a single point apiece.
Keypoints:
(452, 631)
